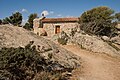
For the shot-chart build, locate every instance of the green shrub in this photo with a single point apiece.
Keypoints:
(24, 63)
(63, 38)
(20, 62)
(62, 41)
(27, 26)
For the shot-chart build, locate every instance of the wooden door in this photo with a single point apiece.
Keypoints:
(57, 29)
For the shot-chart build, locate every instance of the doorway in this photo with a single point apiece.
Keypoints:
(57, 29)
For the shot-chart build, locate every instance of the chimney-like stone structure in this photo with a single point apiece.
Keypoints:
(37, 24)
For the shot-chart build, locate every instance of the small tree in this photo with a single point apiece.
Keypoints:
(97, 21)
(15, 19)
(31, 18)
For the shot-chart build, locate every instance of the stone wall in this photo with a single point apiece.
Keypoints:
(36, 23)
(66, 27)
(36, 26)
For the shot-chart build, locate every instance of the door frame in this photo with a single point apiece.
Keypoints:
(56, 28)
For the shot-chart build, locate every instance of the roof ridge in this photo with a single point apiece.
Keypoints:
(75, 19)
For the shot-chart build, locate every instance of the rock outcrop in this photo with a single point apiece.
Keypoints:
(95, 44)
(13, 36)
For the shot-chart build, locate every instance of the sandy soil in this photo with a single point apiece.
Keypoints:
(95, 66)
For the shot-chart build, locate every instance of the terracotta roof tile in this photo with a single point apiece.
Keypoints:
(47, 20)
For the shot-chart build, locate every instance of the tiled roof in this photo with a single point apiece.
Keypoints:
(47, 20)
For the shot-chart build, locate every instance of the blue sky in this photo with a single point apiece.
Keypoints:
(53, 8)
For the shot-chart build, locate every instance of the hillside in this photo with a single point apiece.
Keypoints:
(81, 62)
(13, 36)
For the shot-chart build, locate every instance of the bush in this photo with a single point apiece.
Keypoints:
(27, 26)
(62, 41)
(20, 63)
(63, 38)
(24, 63)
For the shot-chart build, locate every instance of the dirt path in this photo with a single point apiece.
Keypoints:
(95, 67)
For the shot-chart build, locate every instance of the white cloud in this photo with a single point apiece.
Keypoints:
(25, 10)
(68, 16)
(51, 12)
(45, 12)
(59, 15)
